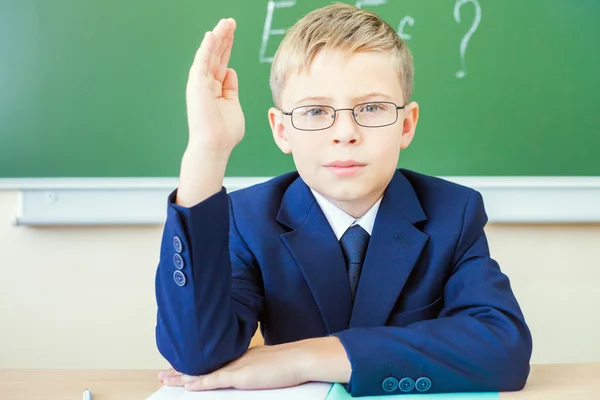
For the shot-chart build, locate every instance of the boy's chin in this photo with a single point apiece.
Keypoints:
(346, 193)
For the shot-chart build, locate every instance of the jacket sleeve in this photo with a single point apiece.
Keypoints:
(479, 342)
(208, 287)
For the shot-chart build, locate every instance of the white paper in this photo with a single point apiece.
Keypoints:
(166, 393)
(308, 391)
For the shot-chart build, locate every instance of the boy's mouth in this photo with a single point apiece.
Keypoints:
(345, 168)
(345, 164)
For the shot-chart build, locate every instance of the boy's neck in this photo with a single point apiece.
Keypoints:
(359, 207)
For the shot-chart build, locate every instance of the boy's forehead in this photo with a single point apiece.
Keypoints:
(332, 77)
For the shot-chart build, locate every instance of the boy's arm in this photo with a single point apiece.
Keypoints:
(479, 342)
(207, 318)
(208, 301)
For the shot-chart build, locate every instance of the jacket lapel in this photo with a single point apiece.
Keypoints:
(393, 251)
(318, 254)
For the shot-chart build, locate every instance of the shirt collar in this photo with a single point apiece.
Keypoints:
(340, 221)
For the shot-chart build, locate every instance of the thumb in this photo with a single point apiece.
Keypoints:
(230, 85)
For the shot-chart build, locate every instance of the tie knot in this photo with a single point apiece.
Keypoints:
(354, 244)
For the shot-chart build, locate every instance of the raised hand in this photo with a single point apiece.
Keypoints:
(215, 118)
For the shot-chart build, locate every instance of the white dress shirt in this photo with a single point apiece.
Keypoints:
(340, 221)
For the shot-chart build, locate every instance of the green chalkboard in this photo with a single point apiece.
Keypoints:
(97, 88)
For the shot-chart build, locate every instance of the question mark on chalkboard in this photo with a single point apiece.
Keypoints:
(465, 41)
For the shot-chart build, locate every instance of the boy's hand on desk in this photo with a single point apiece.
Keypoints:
(271, 367)
(171, 377)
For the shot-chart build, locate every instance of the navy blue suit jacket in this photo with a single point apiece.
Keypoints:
(432, 306)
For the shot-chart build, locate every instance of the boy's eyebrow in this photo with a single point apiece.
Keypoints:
(358, 98)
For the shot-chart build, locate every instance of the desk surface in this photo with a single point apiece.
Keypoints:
(547, 382)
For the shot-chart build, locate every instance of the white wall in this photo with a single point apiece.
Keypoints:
(84, 297)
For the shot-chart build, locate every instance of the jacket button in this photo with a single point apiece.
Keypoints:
(177, 244)
(390, 384)
(178, 261)
(423, 384)
(179, 278)
(406, 384)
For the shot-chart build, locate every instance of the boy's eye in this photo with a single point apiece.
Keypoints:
(313, 112)
(372, 107)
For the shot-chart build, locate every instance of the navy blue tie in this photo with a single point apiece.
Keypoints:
(354, 246)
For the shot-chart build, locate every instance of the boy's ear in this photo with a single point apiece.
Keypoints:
(411, 116)
(279, 132)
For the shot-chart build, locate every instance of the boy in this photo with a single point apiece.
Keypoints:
(362, 274)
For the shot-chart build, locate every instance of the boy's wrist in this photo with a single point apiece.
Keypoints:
(201, 175)
(323, 360)
(201, 152)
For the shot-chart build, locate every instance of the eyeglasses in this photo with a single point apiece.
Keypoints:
(370, 115)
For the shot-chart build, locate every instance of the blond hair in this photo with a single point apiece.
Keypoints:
(343, 28)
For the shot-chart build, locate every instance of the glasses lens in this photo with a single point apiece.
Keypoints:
(313, 117)
(376, 114)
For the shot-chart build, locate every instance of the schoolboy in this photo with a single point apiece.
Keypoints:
(359, 273)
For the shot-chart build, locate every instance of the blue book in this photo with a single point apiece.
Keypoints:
(337, 392)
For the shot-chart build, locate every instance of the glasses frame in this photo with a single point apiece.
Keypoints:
(335, 113)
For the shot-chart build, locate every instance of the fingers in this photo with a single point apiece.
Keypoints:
(230, 40)
(215, 44)
(221, 33)
(200, 67)
(222, 70)
(166, 373)
(179, 380)
(224, 62)
(171, 377)
(230, 85)
(174, 381)
(220, 379)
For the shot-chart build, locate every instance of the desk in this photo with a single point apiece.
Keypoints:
(546, 382)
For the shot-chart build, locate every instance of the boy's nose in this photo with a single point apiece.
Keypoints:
(345, 128)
